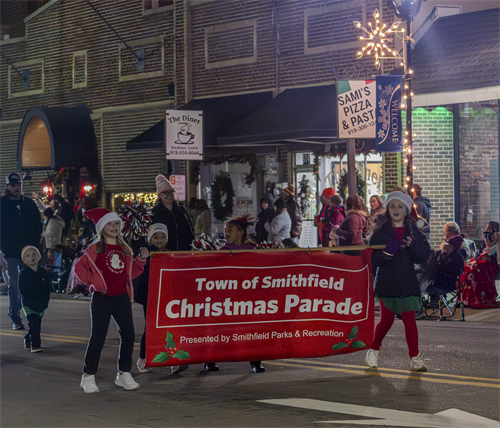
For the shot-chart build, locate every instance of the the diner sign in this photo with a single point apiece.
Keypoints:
(184, 134)
(256, 305)
(388, 137)
(356, 108)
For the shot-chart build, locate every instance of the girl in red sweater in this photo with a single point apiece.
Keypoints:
(108, 267)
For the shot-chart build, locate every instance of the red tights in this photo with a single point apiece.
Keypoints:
(385, 324)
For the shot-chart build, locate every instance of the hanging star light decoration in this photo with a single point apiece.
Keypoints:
(378, 38)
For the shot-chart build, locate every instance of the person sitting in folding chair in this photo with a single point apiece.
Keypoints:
(450, 265)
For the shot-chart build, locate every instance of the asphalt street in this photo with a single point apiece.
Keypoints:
(461, 388)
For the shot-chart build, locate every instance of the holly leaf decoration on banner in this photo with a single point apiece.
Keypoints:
(339, 345)
(358, 344)
(170, 340)
(353, 333)
(172, 351)
(351, 341)
(182, 355)
(162, 357)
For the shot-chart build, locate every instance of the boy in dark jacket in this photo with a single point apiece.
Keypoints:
(34, 287)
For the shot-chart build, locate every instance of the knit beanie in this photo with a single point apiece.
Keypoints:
(401, 197)
(163, 184)
(456, 241)
(30, 247)
(290, 189)
(280, 203)
(336, 200)
(101, 217)
(157, 227)
(328, 192)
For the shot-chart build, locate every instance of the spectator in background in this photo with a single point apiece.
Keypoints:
(377, 206)
(294, 211)
(279, 228)
(423, 206)
(322, 221)
(338, 210)
(19, 226)
(452, 229)
(203, 219)
(52, 228)
(266, 215)
(65, 211)
(173, 215)
(355, 227)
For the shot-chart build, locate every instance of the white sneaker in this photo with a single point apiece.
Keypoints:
(179, 369)
(125, 380)
(417, 364)
(141, 365)
(88, 384)
(371, 358)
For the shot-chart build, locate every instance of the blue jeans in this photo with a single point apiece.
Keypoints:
(15, 266)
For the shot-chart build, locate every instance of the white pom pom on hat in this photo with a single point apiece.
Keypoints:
(163, 184)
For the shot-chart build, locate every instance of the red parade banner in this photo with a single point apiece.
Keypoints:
(257, 305)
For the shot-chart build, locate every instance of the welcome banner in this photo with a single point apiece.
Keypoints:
(257, 305)
(389, 127)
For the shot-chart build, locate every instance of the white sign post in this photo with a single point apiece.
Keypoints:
(184, 134)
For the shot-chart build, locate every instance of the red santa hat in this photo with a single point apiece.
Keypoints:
(101, 217)
(328, 192)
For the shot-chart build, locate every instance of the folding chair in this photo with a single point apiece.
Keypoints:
(451, 301)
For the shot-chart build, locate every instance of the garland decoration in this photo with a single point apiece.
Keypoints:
(206, 242)
(317, 163)
(305, 195)
(360, 185)
(136, 217)
(251, 159)
(222, 192)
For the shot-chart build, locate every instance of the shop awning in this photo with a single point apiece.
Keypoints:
(57, 137)
(218, 115)
(301, 115)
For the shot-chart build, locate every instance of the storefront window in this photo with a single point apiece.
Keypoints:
(478, 153)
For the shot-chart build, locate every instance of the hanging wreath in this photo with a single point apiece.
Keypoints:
(222, 200)
(360, 185)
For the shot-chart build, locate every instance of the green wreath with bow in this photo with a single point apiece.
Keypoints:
(222, 187)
